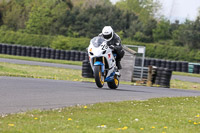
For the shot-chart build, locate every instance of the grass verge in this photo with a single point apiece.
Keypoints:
(161, 115)
(29, 71)
(41, 59)
(186, 74)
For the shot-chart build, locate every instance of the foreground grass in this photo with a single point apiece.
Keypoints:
(186, 74)
(41, 59)
(163, 115)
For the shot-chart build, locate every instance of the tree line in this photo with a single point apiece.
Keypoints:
(134, 20)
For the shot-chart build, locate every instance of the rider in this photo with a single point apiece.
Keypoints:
(114, 42)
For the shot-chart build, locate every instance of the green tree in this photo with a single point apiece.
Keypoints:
(162, 31)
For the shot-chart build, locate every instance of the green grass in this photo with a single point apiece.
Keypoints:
(186, 74)
(18, 70)
(161, 115)
(29, 71)
(41, 59)
(184, 85)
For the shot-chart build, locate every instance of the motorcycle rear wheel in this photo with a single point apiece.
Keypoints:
(114, 84)
(99, 78)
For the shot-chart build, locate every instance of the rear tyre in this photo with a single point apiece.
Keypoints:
(114, 84)
(99, 78)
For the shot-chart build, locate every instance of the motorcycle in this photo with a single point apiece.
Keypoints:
(103, 63)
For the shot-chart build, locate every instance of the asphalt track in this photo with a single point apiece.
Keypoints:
(23, 94)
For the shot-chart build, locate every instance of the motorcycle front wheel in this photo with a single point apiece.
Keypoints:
(114, 84)
(99, 78)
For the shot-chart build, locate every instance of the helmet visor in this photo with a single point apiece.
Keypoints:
(107, 36)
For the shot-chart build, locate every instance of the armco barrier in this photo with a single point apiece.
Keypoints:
(42, 52)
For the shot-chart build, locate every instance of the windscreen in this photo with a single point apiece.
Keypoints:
(97, 41)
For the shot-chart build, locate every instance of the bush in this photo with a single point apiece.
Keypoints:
(69, 43)
(12, 37)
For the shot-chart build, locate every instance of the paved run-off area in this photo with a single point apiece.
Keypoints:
(22, 94)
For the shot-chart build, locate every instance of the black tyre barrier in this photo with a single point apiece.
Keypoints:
(48, 52)
(86, 57)
(0, 48)
(168, 64)
(28, 51)
(23, 51)
(57, 54)
(33, 52)
(9, 48)
(19, 49)
(147, 62)
(185, 66)
(72, 55)
(163, 63)
(163, 77)
(77, 56)
(197, 69)
(67, 55)
(158, 63)
(82, 56)
(87, 70)
(43, 52)
(52, 53)
(138, 61)
(3, 49)
(38, 52)
(152, 62)
(62, 54)
(173, 65)
(178, 66)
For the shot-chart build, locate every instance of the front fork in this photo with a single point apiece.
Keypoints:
(102, 64)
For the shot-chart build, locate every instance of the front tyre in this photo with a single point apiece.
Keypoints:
(114, 84)
(99, 78)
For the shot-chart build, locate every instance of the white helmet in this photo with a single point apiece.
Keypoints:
(107, 33)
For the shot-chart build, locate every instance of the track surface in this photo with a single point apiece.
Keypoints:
(22, 94)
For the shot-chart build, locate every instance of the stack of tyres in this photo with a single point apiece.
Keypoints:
(43, 52)
(57, 54)
(168, 64)
(185, 66)
(19, 49)
(86, 57)
(77, 56)
(3, 49)
(147, 62)
(87, 70)
(9, 48)
(197, 69)
(138, 61)
(14, 50)
(163, 63)
(158, 63)
(0, 48)
(173, 65)
(62, 54)
(72, 55)
(28, 51)
(152, 62)
(67, 55)
(163, 77)
(48, 52)
(38, 52)
(82, 56)
(52, 53)
(33, 52)
(178, 66)
(23, 51)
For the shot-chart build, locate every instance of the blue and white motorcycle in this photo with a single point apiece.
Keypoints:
(103, 63)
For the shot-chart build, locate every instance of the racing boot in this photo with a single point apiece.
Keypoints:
(118, 65)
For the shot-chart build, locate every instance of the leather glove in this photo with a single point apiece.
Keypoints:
(112, 47)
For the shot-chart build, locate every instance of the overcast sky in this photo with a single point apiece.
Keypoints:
(178, 9)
